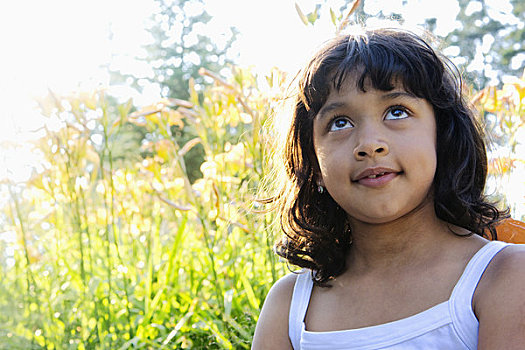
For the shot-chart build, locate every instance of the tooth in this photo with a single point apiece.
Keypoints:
(372, 176)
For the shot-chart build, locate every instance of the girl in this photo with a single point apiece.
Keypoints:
(384, 209)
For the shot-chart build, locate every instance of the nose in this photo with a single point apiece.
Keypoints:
(370, 145)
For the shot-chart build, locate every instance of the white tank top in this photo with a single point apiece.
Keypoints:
(449, 325)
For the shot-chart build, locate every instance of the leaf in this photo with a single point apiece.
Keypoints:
(269, 79)
(124, 109)
(252, 299)
(520, 88)
(301, 14)
(490, 101)
(194, 96)
(345, 22)
(228, 297)
(189, 145)
(333, 16)
(501, 165)
(354, 6)
(89, 99)
(219, 336)
(175, 205)
(173, 118)
(315, 15)
(312, 17)
(163, 149)
(152, 166)
(181, 103)
(37, 181)
(182, 322)
(153, 118)
(145, 111)
(478, 97)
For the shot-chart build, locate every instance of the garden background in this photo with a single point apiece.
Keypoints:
(127, 212)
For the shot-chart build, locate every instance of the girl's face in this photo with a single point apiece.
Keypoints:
(376, 151)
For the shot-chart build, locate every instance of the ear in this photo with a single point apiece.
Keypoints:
(318, 177)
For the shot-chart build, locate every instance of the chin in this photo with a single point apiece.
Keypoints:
(380, 221)
(376, 220)
(381, 218)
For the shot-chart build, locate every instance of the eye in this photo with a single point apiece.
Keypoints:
(339, 123)
(397, 112)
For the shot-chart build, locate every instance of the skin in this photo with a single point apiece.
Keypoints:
(403, 259)
(394, 130)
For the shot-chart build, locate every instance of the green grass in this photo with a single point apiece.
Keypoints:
(124, 252)
(117, 249)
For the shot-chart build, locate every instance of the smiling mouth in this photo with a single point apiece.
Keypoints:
(376, 176)
(379, 179)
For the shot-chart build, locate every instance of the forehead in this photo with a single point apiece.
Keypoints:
(367, 78)
(356, 82)
(351, 93)
(382, 62)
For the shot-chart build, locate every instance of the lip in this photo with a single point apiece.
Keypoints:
(388, 174)
(373, 171)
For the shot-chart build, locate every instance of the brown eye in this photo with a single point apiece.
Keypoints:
(340, 123)
(397, 112)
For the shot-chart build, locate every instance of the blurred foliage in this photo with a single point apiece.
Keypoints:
(116, 255)
(179, 49)
(492, 33)
(113, 244)
(506, 106)
(503, 112)
(487, 43)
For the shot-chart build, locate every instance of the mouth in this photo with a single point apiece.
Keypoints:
(378, 180)
(376, 176)
(376, 173)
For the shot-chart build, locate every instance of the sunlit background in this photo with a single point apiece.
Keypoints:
(70, 45)
(65, 46)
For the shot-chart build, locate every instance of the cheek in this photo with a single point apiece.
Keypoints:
(331, 163)
(322, 160)
(426, 161)
(416, 152)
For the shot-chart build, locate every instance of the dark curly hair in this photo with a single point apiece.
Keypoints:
(316, 232)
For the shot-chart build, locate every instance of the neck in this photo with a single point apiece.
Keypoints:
(382, 247)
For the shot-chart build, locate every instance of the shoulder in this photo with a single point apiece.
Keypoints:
(272, 327)
(499, 301)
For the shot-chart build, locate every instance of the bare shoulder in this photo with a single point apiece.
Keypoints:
(272, 327)
(499, 301)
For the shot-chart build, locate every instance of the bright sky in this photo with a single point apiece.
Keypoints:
(63, 44)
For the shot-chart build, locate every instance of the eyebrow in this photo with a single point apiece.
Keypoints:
(326, 109)
(394, 94)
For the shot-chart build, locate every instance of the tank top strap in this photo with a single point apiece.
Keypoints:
(299, 304)
(463, 317)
